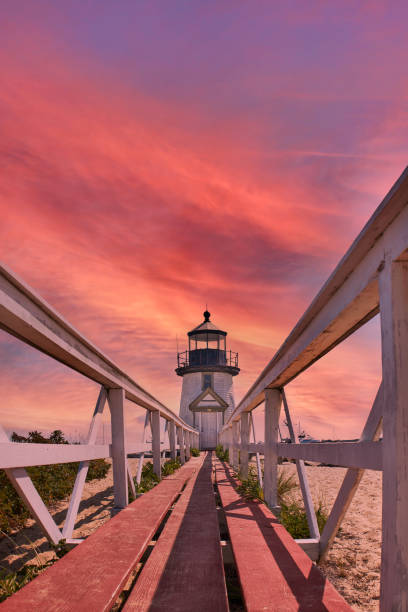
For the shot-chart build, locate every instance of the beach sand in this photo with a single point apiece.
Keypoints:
(354, 561)
(353, 564)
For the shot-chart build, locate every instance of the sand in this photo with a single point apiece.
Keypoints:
(353, 564)
(354, 561)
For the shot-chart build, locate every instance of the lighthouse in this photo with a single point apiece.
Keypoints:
(207, 368)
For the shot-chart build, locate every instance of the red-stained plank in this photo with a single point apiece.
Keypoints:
(91, 576)
(275, 573)
(185, 572)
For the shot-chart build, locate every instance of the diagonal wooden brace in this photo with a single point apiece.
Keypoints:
(371, 431)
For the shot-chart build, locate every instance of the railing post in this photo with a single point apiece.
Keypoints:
(303, 480)
(273, 402)
(172, 439)
(187, 439)
(393, 288)
(155, 416)
(235, 443)
(229, 444)
(116, 400)
(244, 444)
(258, 459)
(180, 440)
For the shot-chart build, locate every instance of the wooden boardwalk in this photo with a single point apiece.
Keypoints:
(185, 570)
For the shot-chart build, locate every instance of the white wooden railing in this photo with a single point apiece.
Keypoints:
(25, 315)
(371, 278)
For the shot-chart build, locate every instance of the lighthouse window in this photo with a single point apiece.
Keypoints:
(207, 381)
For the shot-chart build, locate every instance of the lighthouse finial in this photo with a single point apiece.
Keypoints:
(206, 314)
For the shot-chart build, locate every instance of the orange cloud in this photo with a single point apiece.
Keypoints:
(128, 223)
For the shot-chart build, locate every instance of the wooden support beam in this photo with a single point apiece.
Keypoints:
(188, 445)
(141, 458)
(273, 401)
(25, 454)
(351, 480)
(229, 444)
(180, 440)
(131, 482)
(257, 455)
(116, 400)
(235, 446)
(172, 440)
(394, 338)
(163, 444)
(303, 481)
(365, 455)
(76, 496)
(310, 546)
(27, 491)
(244, 445)
(155, 424)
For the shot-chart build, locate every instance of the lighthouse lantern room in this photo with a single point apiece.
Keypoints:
(207, 368)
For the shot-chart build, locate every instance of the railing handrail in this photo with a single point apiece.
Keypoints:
(26, 315)
(353, 283)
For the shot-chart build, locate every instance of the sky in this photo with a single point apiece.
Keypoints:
(159, 156)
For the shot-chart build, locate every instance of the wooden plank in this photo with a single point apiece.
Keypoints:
(92, 575)
(347, 300)
(116, 400)
(273, 401)
(276, 575)
(367, 455)
(304, 484)
(185, 571)
(394, 338)
(25, 454)
(310, 546)
(351, 480)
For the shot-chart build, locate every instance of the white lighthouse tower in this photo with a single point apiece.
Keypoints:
(207, 368)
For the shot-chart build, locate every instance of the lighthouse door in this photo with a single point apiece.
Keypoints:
(208, 433)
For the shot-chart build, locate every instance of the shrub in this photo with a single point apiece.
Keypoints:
(223, 455)
(249, 487)
(293, 518)
(148, 480)
(286, 484)
(194, 452)
(170, 466)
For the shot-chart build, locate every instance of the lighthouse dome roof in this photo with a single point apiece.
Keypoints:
(207, 327)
